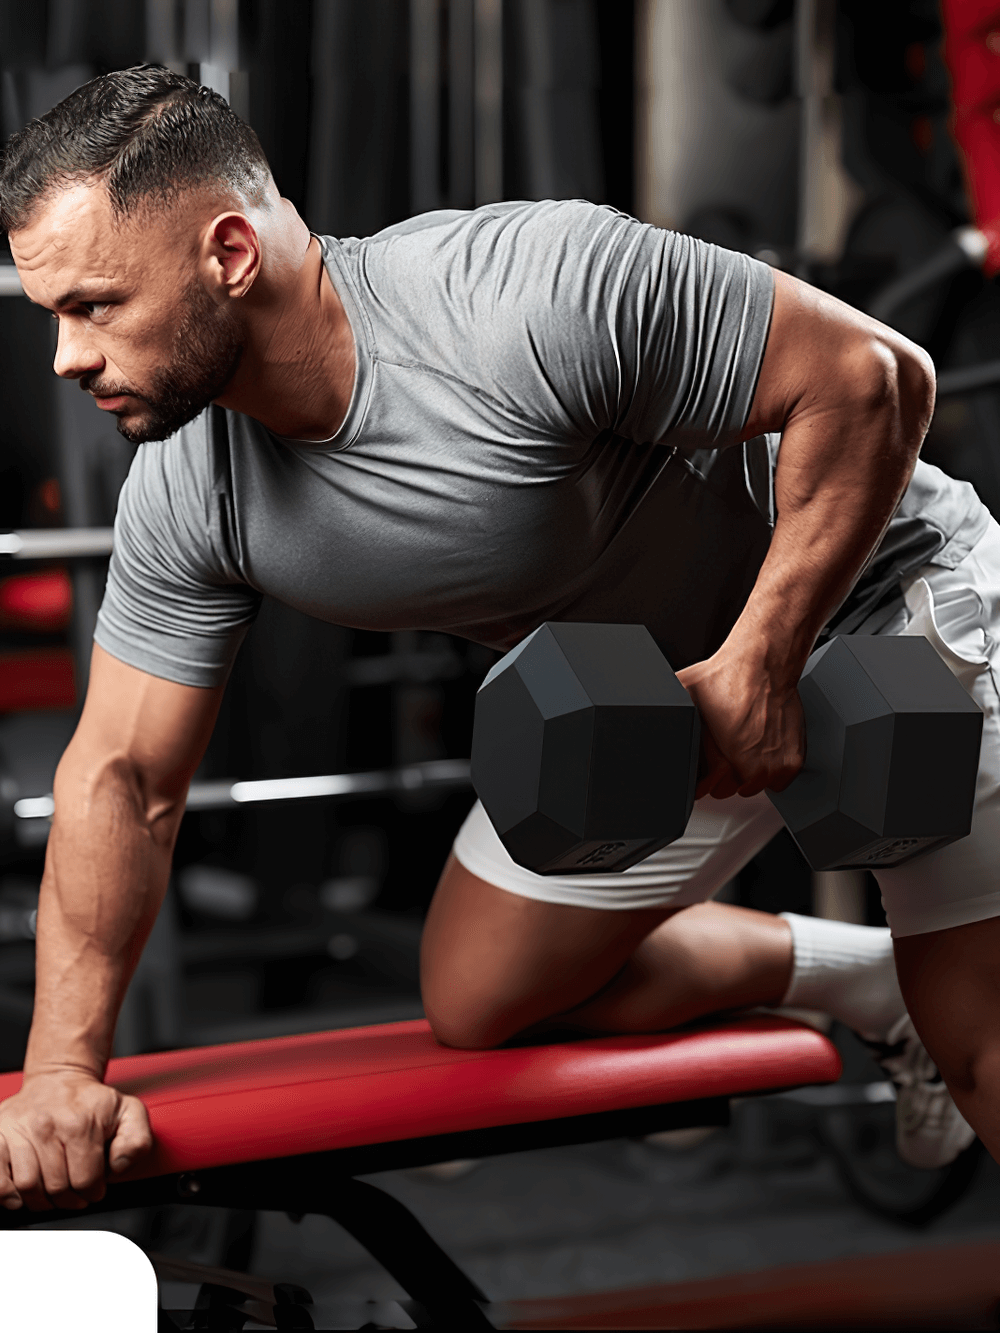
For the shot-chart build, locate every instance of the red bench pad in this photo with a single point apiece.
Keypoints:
(253, 1100)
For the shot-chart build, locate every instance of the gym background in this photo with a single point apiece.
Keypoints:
(813, 134)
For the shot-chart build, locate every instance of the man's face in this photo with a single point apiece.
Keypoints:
(137, 327)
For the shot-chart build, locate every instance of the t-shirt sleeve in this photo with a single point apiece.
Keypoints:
(175, 605)
(607, 323)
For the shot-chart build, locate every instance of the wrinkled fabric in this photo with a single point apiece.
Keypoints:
(545, 424)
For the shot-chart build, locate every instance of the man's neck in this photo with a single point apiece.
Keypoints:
(297, 372)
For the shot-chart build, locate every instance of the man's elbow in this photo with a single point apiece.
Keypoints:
(115, 786)
(887, 377)
(916, 388)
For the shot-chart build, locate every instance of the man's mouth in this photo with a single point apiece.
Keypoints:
(113, 404)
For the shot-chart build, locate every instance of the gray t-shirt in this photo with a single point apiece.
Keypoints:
(543, 426)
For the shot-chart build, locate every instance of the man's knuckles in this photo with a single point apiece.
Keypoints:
(44, 1128)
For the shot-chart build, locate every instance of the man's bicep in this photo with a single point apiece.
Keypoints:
(158, 726)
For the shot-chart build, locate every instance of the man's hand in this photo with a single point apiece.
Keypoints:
(53, 1135)
(753, 734)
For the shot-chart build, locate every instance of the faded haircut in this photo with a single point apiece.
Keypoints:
(146, 133)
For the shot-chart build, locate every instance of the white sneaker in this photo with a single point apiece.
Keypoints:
(930, 1129)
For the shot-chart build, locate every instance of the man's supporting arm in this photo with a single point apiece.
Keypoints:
(119, 797)
(853, 400)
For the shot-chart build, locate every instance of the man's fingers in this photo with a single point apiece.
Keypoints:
(726, 785)
(26, 1171)
(133, 1138)
(9, 1196)
(720, 784)
(85, 1163)
(717, 777)
(41, 1172)
(712, 766)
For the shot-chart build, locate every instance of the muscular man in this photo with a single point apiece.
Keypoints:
(473, 422)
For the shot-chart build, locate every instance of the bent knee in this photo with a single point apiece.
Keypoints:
(471, 1012)
(463, 1035)
(468, 1022)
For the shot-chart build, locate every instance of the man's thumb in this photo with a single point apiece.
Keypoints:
(133, 1137)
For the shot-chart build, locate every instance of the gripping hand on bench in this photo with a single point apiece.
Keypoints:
(119, 796)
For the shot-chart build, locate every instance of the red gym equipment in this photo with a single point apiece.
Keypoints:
(286, 1124)
(972, 53)
(37, 677)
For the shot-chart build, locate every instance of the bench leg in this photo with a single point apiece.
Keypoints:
(445, 1297)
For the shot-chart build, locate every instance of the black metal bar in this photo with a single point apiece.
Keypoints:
(968, 379)
(951, 257)
(569, 1131)
(385, 1227)
(425, 105)
(461, 186)
(392, 1235)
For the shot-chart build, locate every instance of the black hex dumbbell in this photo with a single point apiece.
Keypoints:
(585, 751)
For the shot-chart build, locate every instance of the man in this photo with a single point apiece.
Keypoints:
(472, 423)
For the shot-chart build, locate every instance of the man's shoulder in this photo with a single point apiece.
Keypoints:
(457, 290)
(507, 250)
(455, 226)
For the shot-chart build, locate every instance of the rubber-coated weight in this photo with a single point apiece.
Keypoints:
(892, 752)
(585, 749)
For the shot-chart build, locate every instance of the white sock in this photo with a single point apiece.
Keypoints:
(847, 971)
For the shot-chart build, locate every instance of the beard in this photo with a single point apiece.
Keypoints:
(205, 353)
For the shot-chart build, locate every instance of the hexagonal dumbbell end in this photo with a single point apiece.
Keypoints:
(892, 752)
(585, 749)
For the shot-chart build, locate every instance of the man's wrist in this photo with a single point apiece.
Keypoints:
(777, 657)
(80, 1058)
(62, 1069)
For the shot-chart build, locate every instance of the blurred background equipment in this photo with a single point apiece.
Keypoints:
(368, 112)
(856, 145)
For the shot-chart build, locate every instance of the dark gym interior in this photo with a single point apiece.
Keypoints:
(812, 134)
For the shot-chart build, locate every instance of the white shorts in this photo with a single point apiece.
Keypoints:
(958, 610)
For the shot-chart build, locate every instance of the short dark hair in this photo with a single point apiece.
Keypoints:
(147, 133)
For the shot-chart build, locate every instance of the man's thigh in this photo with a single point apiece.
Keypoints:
(494, 962)
(505, 949)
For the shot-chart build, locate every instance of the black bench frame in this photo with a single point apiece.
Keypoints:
(441, 1295)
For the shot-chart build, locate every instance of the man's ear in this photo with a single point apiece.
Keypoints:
(231, 254)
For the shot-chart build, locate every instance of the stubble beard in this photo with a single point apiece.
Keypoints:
(205, 353)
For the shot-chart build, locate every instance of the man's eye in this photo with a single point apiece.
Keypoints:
(97, 308)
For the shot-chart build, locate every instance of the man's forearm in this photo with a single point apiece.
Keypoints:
(847, 454)
(106, 874)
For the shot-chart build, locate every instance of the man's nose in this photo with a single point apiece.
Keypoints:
(75, 354)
